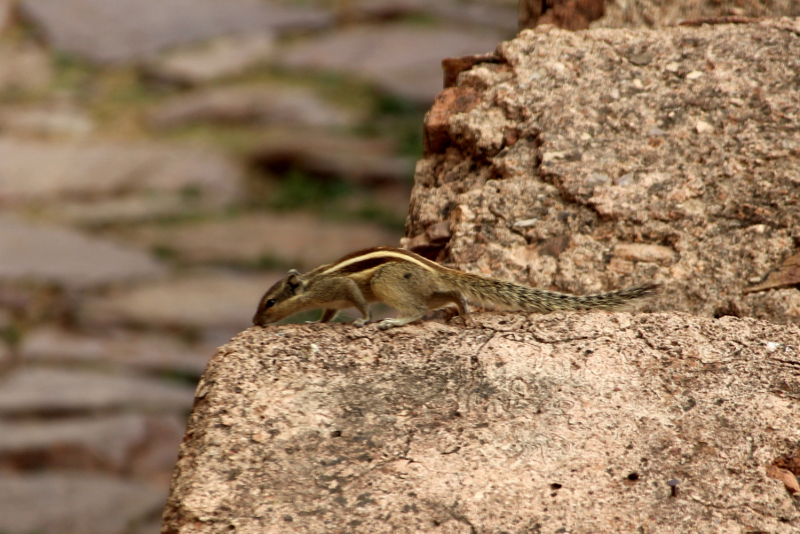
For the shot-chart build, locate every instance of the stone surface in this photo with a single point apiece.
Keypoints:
(563, 422)
(663, 13)
(223, 57)
(47, 391)
(573, 144)
(24, 68)
(143, 351)
(294, 240)
(130, 209)
(294, 106)
(330, 155)
(46, 171)
(115, 443)
(111, 31)
(203, 301)
(56, 503)
(567, 14)
(43, 122)
(55, 255)
(402, 60)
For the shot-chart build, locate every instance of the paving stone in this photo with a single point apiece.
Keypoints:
(44, 122)
(56, 391)
(255, 104)
(32, 170)
(146, 445)
(297, 240)
(60, 503)
(109, 31)
(401, 60)
(50, 254)
(144, 351)
(208, 301)
(24, 68)
(220, 58)
(362, 161)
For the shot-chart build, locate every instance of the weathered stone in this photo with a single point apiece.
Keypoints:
(501, 427)
(255, 104)
(118, 443)
(54, 391)
(131, 209)
(640, 252)
(661, 13)
(221, 58)
(46, 171)
(149, 352)
(111, 31)
(325, 155)
(299, 241)
(44, 122)
(567, 14)
(205, 302)
(50, 254)
(563, 134)
(401, 60)
(51, 503)
(24, 68)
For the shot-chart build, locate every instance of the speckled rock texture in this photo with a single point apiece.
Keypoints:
(588, 161)
(524, 424)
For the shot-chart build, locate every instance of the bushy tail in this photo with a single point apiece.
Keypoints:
(511, 296)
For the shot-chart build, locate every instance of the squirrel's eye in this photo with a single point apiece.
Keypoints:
(270, 303)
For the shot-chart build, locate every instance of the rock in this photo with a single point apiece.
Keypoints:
(29, 391)
(250, 105)
(299, 241)
(326, 155)
(143, 351)
(49, 171)
(724, 202)
(501, 427)
(45, 122)
(567, 14)
(73, 503)
(115, 443)
(113, 31)
(24, 68)
(54, 255)
(131, 209)
(204, 302)
(221, 58)
(640, 252)
(643, 13)
(401, 60)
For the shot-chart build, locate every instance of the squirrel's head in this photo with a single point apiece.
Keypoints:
(281, 300)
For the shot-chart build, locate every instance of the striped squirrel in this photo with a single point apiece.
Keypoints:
(414, 285)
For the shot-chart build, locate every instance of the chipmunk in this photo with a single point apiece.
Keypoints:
(414, 285)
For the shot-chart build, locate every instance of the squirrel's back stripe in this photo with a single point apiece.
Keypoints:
(372, 257)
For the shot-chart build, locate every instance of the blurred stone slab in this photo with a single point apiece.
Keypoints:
(220, 58)
(56, 391)
(246, 105)
(31, 170)
(120, 211)
(112, 31)
(327, 155)
(51, 254)
(43, 122)
(491, 14)
(404, 61)
(24, 68)
(56, 503)
(149, 352)
(297, 240)
(115, 443)
(202, 301)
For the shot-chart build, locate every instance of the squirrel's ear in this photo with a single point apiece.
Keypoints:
(294, 280)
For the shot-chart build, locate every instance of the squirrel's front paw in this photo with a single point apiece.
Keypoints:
(360, 322)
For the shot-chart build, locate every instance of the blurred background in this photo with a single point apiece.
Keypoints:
(162, 163)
